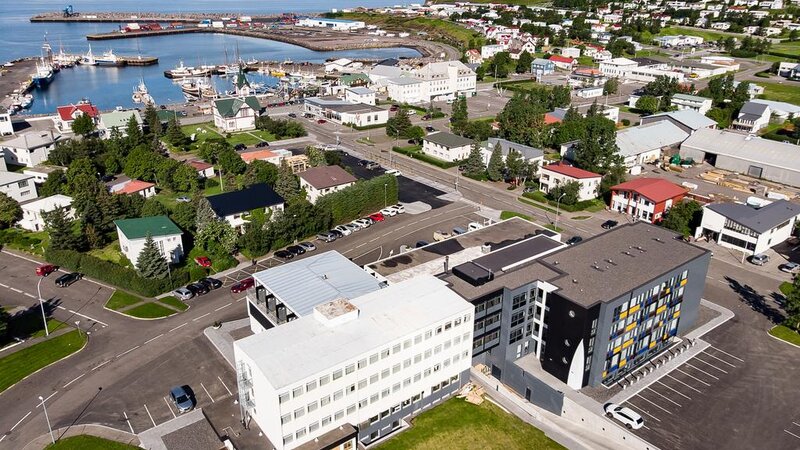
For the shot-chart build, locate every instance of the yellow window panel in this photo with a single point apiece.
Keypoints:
(652, 344)
(622, 363)
(623, 315)
(683, 282)
(677, 313)
(617, 349)
(630, 326)
(661, 309)
(634, 309)
(627, 343)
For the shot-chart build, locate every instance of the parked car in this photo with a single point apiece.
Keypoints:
(412, 141)
(352, 227)
(439, 235)
(377, 217)
(45, 270)
(628, 417)
(422, 243)
(472, 226)
(239, 147)
(394, 172)
(211, 283)
(243, 285)
(609, 224)
(183, 199)
(759, 259)
(343, 229)
(181, 399)
(789, 267)
(321, 121)
(336, 233)
(295, 250)
(308, 246)
(363, 162)
(430, 129)
(182, 294)
(292, 115)
(458, 230)
(529, 189)
(368, 219)
(388, 211)
(198, 288)
(262, 144)
(372, 165)
(426, 117)
(68, 279)
(203, 261)
(574, 240)
(399, 208)
(284, 254)
(326, 236)
(363, 223)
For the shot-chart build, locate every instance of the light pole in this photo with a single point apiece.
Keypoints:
(384, 194)
(558, 204)
(41, 399)
(78, 326)
(41, 305)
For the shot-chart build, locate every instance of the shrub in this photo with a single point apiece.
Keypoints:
(414, 152)
(364, 197)
(626, 122)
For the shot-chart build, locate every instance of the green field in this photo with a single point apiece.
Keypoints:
(120, 299)
(790, 48)
(111, 253)
(26, 241)
(174, 302)
(783, 92)
(456, 424)
(786, 334)
(150, 311)
(19, 365)
(444, 30)
(85, 442)
(204, 131)
(690, 31)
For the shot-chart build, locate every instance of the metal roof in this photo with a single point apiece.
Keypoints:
(747, 148)
(448, 140)
(754, 109)
(691, 98)
(506, 145)
(636, 140)
(784, 107)
(689, 118)
(761, 219)
(303, 284)
(256, 196)
(154, 226)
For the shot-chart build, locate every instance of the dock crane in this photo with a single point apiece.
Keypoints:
(68, 11)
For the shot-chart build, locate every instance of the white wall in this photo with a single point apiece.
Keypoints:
(447, 154)
(238, 220)
(32, 218)
(549, 180)
(20, 191)
(169, 245)
(313, 194)
(6, 127)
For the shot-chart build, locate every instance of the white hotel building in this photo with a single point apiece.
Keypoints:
(355, 368)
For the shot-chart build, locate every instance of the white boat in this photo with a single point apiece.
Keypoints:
(43, 75)
(88, 59)
(180, 72)
(190, 87)
(141, 94)
(62, 59)
(26, 101)
(108, 58)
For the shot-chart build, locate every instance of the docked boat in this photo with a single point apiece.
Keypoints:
(43, 75)
(190, 87)
(26, 101)
(141, 94)
(108, 58)
(88, 59)
(183, 71)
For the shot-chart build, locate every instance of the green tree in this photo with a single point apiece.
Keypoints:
(83, 125)
(183, 214)
(175, 134)
(231, 162)
(683, 217)
(792, 306)
(415, 133)
(4, 319)
(184, 178)
(524, 62)
(217, 237)
(597, 150)
(515, 164)
(10, 211)
(153, 207)
(204, 214)
(459, 116)
(142, 163)
(570, 192)
(133, 132)
(648, 104)
(522, 121)
(474, 166)
(399, 124)
(152, 121)
(151, 263)
(60, 227)
(287, 185)
(56, 183)
(496, 164)
(316, 156)
(478, 130)
(260, 171)
(611, 86)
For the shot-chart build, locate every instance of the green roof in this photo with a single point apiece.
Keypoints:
(119, 119)
(350, 78)
(241, 79)
(141, 227)
(229, 107)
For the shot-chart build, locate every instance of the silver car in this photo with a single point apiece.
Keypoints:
(308, 246)
(182, 294)
(181, 398)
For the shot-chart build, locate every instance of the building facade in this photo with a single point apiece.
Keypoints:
(133, 234)
(18, 186)
(323, 180)
(446, 146)
(746, 228)
(33, 212)
(692, 102)
(29, 149)
(558, 174)
(236, 114)
(647, 199)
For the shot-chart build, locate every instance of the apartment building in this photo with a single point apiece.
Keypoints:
(693, 102)
(29, 149)
(442, 80)
(617, 67)
(746, 228)
(647, 199)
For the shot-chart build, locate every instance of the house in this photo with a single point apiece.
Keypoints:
(405, 90)
(323, 180)
(617, 67)
(6, 126)
(692, 102)
(571, 52)
(204, 169)
(643, 144)
(236, 114)
(345, 112)
(752, 117)
(529, 154)
(40, 172)
(488, 51)
(646, 199)
(557, 174)
(67, 114)
(781, 110)
(362, 95)
(18, 186)
(589, 92)
(562, 62)
(541, 67)
(29, 148)
(678, 41)
(474, 56)
(143, 188)
(790, 70)
(687, 120)
(235, 207)
(446, 146)
(33, 211)
(750, 230)
(133, 233)
(118, 120)
(342, 65)
(261, 155)
(587, 76)
(333, 24)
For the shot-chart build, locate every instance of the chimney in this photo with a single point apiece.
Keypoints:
(446, 263)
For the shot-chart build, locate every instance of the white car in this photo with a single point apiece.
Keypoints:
(474, 226)
(182, 294)
(352, 227)
(394, 172)
(363, 223)
(627, 416)
(389, 211)
(399, 208)
(343, 229)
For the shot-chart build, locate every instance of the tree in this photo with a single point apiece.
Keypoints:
(260, 171)
(152, 121)
(570, 192)
(204, 214)
(648, 104)
(398, 125)
(611, 86)
(415, 133)
(524, 62)
(10, 211)
(142, 163)
(217, 237)
(792, 305)
(175, 134)
(231, 162)
(683, 217)
(153, 207)
(496, 164)
(151, 263)
(54, 184)
(597, 150)
(522, 121)
(794, 35)
(474, 166)
(133, 132)
(183, 214)
(60, 228)
(83, 125)
(515, 164)
(184, 178)
(287, 184)
(480, 73)
(316, 156)
(459, 116)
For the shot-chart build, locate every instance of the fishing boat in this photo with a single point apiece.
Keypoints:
(190, 87)
(179, 72)
(43, 75)
(63, 60)
(88, 59)
(25, 101)
(141, 94)
(207, 89)
(108, 58)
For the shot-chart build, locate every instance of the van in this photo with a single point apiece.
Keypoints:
(474, 226)
(458, 230)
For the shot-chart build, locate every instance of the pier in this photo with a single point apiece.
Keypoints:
(125, 17)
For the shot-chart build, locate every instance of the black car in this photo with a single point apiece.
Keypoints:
(609, 224)
(363, 162)
(211, 283)
(295, 250)
(68, 279)
(262, 144)
(336, 233)
(283, 254)
(239, 147)
(198, 288)
(430, 129)
(574, 240)
(422, 244)
(293, 115)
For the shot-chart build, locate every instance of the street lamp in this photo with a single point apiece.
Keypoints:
(78, 326)
(558, 204)
(384, 194)
(41, 305)
(53, 439)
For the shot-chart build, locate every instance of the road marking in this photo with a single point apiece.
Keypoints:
(151, 416)
(663, 396)
(709, 364)
(152, 339)
(48, 398)
(225, 385)
(223, 306)
(798, 437)
(692, 376)
(20, 420)
(128, 420)
(102, 364)
(798, 424)
(127, 351)
(723, 351)
(84, 316)
(179, 326)
(29, 295)
(718, 359)
(654, 404)
(701, 370)
(73, 380)
(15, 290)
(198, 318)
(645, 412)
(674, 390)
(681, 382)
(209, 395)
(4, 285)
(169, 407)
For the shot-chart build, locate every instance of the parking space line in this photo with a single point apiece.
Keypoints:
(48, 398)
(707, 363)
(705, 351)
(798, 424)
(179, 326)
(225, 385)
(151, 416)
(88, 318)
(654, 404)
(674, 390)
(209, 395)
(701, 370)
(726, 353)
(664, 397)
(643, 412)
(15, 290)
(198, 318)
(798, 437)
(169, 407)
(692, 376)
(153, 339)
(129, 421)
(681, 382)
(73, 380)
(29, 295)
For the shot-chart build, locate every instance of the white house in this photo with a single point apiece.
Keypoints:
(406, 90)
(6, 126)
(752, 117)
(235, 207)
(334, 24)
(693, 102)
(488, 51)
(345, 112)
(360, 95)
(236, 114)
(32, 211)
(143, 188)
(30, 148)
(133, 233)
(18, 186)
(748, 229)
(446, 146)
(67, 114)
(554, 175)
(323, 180)
(617, 67)
(204, 169)
(342, 65)
(529, 154)
(571, 52)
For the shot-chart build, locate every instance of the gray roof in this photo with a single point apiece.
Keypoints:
(689, 118)
(361, 90)
(542, 62)
(301, 285)
(690, 98)
(783, 107)
(636, 140)
(448, 140)
(403, 81)
(32, 140)
(506, 145)
(13, 177)
(747, 148)
(753, 108)
(761, 219)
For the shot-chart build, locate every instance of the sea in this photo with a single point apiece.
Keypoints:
(110, 87)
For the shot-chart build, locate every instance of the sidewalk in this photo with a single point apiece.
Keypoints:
(89, 429)
(222, 339)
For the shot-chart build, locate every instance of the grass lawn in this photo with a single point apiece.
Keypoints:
(791, 48)
(111, 253)
(251, 137)
(785, 288)
(28, 325)
(536, 205)
(690, 31)
(436, 28)
(26, 241)
(85, 442)
(586, 61)
(456, 424)
(18, 365)
(174, 302)
(785, 334)
(52, 325)
(782, 92)
(150, 311)
(204, 131)
(509, 214)
(121, 299)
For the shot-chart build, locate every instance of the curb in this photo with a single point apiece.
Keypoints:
(63, 433)
(52, 363)
(779, 339)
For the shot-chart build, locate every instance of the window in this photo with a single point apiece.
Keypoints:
(457, 322)
(396, 387)
(396, 368)
(313, 427)
(373, 378)
(384, 373)
(286, 418)
(427, 353)
(299, 412)
(311, 385)
(519, 301)
(312, 406)
(396, 349)
(362, 384)
(417, 377)
(350, 369)
(418, 339)
(350, 389)
(339, 415)
(407, 363)
(297, 392)
(384, 393)
(385, 354)
(338, 395)
(362, 363)
(283, 398)
(417, 357)
(323, 380)
(437, 349)
(407, 344)
(288, 438)
(438, 330)
(363, 403)
(428, 334)
(325, 400)
(326, 420)
(448, 325)
(373, 359)
(406, 382)
(337, 374)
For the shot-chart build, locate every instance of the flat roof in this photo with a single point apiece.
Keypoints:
(303, 284)
(655, 135)
(302, 348)
(747, 148)
(446, 139)
(761, 219)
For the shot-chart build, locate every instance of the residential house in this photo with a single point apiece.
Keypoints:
(692, 102)
(143, 188)
(33, 211)
(39, 172)
(563, 62)
(790, 70)
(488, 51)
(687, 120)
(752, 117)
(345, 112)
(529, 154)
(781, 110)
(554, 175)
(29, 148)
(261, 155)
(235, 207)
(6, 126)
(571, 52)
(643, 144)
(204, 169)
(236, 114)
(541, 67)
(608, 111)
(446, 146)
(617, 67)
(647, 199)
(67, 114)
(323, 180)
(18, 186)
(362, 95)
(474, 56)
(166, 235)
(748, 229)
(118, 120)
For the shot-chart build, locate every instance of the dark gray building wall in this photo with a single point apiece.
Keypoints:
(568, 324)
(533, 389)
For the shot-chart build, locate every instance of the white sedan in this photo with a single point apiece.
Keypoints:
(627, 416)
(389, 211)
(343, 229)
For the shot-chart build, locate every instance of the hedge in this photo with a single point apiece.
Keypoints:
(364, 197)
(785, 55)
(539, 196)
(111, 273)
(415, 152)
(366, 127)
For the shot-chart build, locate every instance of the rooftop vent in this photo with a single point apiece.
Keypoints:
(639, 247)
(575, 281)
(611, 262)
(629, 254)
(335, 312)
(486, 248)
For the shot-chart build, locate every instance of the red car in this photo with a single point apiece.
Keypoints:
(377, 217)
(46, 270)
(243, 285)
(203, 261)
(321, 121)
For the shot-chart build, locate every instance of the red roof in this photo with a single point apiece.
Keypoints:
(249, 157)
(550, 119)
(135, 186)
(655, 189)
(561, 59)
(200, 165)
(67, 112)
(570, 171)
